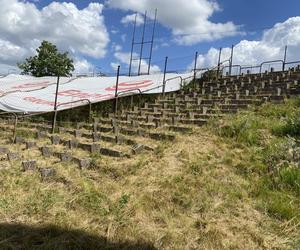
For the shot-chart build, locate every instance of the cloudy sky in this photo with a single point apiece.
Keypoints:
(98, 33)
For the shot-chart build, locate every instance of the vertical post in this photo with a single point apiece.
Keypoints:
(55, 106)
(15, 128)
(231, 60)
(132, 45)
(195, 68)
(195, 65)
(152, 41)
(142, 44)
(116, 91)
(164, 80)
(284, 58)
(219, 62)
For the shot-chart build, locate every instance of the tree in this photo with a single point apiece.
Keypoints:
(48, 62)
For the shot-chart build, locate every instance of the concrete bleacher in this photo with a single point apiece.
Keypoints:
(141, 129)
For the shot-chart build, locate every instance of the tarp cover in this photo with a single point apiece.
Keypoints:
(27, 94)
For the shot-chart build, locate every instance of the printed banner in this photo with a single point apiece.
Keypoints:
(28, 94)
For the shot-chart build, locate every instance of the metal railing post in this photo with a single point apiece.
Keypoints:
(164, 80)
(15, 128)
(116, 91)
(55, 106)
(219, 62)
(284, 58)
(195, 67)
(231, 60)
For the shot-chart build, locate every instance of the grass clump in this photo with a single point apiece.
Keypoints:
(244, 128)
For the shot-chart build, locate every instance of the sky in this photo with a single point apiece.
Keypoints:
(98, 34)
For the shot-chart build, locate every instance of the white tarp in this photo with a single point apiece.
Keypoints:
(28, 94)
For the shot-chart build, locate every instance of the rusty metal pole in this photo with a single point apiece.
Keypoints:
(284, 58)
(219, 62)
(55, 106)
(164, 80)
(116, 91)
(195, 68)
(231, 60)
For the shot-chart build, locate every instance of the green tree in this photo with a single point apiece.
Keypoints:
(48, 62)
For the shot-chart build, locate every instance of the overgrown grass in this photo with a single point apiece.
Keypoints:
(233, 184)
(269, 136)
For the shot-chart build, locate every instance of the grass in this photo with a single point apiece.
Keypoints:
(233, 184)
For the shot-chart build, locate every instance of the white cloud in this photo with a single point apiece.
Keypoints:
(189, 20)
(131, 19)
(270, 47)
(23, 27)
(124, 58)
(82, 66)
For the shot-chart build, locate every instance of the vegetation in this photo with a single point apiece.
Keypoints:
(233, 184)
(48, 62)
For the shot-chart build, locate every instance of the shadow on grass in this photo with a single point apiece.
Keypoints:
(17, 236)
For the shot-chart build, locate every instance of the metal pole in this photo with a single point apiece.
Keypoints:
(164, 80)
(284, 58)
(231, 60)
(15, 128)
(132, 45)
(142, 44)
(55, 106)
(195, 65)
(116, 90)
(219, 62)
(152, 41)
(195, 68)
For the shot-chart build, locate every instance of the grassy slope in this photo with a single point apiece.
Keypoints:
(233, 184)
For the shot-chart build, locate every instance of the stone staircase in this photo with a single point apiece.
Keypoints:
(141, 129)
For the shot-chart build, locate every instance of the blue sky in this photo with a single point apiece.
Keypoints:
(238, 19)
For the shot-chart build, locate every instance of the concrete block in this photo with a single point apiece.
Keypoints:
(61, 130)
(110, 152)
(46, 151)
(191, 115)
(30, 144)
(135, 124)
(4, 150)
(55, 140)
(77, 133)
(72, 144)
(13, 156)
(65, 157)
(19, 140)
(150, 119)
(47, 173)
(41, 135)
(83, 163)
(29, 165)
(175, 120)
(278, 91)
(199, 100)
